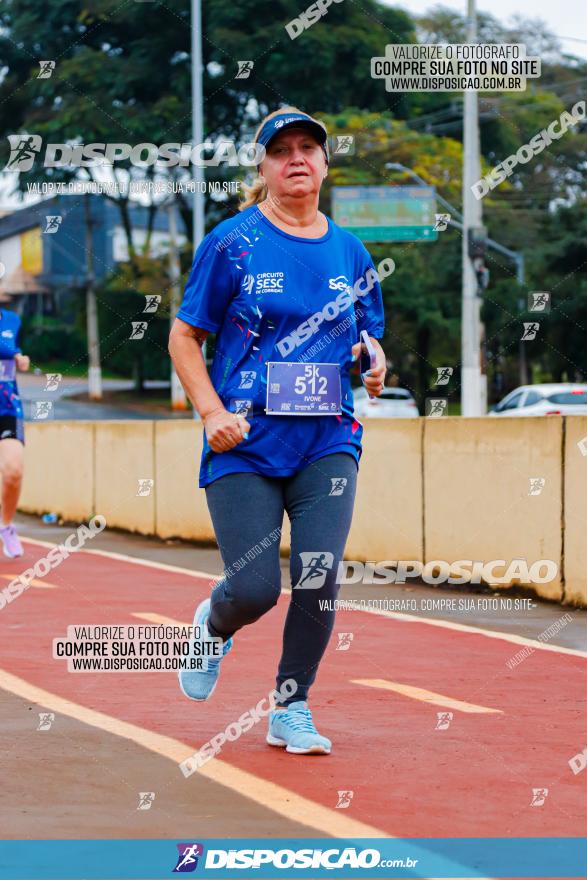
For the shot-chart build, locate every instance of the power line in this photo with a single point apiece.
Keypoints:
(573, 39)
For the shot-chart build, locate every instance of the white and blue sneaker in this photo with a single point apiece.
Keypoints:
(198, 684)
(294, 728)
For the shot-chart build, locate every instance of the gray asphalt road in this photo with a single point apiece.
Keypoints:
(33, 388)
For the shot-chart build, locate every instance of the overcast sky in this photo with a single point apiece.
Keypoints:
(565, 18)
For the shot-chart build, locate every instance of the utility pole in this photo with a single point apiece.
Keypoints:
(178, 398)
(197, 133)
(197, 122)
(94, 368)
(522, 362)
(471, 378)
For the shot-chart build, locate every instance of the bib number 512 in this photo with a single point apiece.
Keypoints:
(311, 382)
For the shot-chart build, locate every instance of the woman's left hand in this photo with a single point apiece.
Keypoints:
(22, 361)
(374, 378)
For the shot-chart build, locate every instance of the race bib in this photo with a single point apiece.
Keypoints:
(7, 369)
(296, 389)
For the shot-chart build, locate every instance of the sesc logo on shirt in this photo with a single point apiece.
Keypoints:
(341, 282)
(270, 282)
(248, 283)
(8, 333)
(264, 282)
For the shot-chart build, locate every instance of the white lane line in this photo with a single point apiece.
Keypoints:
(276, 798)
(416, 693)
(40, 585)
(158, 618)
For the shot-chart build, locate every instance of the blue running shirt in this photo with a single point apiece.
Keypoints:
(272, 296)
(10, 403)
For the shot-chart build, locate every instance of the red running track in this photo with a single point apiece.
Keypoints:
(409, 779)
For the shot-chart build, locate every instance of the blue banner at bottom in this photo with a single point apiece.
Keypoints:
(481, 857)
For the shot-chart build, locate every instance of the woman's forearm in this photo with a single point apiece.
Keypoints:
(188, 360)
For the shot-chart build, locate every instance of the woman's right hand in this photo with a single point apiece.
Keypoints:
(225, 430)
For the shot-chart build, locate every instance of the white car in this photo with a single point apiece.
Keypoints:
(553, 399)
(393, 403)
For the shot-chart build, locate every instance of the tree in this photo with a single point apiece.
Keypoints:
(317, 71)
(123, 73)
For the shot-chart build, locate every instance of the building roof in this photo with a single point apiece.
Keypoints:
(20, 281)
(19, 220)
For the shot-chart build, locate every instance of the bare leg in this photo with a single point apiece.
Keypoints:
(11, 466)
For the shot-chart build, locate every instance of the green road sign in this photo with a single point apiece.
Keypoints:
(386, 213)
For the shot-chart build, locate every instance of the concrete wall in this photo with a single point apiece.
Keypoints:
(477, 501)
(124, 457)
(575, 499)
(59, 469)
(447, 489)
(181, 510)
(387, 521)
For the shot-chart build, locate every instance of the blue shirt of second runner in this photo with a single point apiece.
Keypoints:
(10, 402)
(272, 296)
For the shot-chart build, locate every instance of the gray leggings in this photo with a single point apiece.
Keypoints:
(247, 514)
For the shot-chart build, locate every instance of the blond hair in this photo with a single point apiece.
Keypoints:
(257, 191)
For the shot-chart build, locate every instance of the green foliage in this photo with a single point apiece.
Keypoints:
(50, 339)
(120, 304)
(318, 71)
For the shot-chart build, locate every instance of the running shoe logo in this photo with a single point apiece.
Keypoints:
(187, 860)
(315, 567)
(344, 799)
(539, 795)
(344, 641)
(243, 407)
(46, 719)
(444, 719)
(247, 378)
(23, 151)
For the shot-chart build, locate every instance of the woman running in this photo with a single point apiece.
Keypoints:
(11, 428)
(287, 293)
